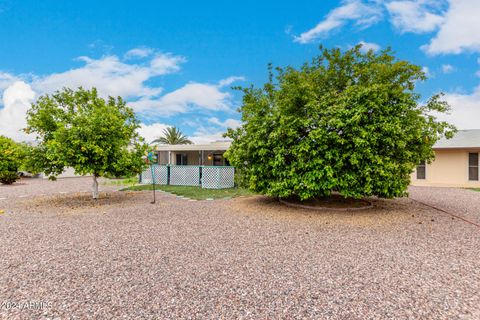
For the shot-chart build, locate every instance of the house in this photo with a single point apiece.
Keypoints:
(194, 154)
(456, 162)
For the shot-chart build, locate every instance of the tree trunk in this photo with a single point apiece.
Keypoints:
(95, 187)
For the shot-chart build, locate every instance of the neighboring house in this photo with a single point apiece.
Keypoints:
(193, 154)
(456, 162)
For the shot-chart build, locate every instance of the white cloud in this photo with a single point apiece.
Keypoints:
(454, 23)
(111, 76)
(151, 131)
(367, 46)
(206, 135)
(427, 72)
(448, 68)
(200, 94)
(459, 32)
(17, 99)
(417, 16)
(116, 77)
(192, 95)
(228, 81)
(6, 80)
(138, 53)
(228, 123)
(364, 15)
(465, 109)
(164, 63)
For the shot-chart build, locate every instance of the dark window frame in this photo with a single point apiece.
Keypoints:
(217, 157)
(183, 159)
(473, 166)
(421, 171)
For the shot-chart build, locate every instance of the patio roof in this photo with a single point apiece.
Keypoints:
(214, 146)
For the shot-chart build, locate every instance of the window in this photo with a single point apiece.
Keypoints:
(473, 166)
(181, 159)
(421, 170)
(217, 159)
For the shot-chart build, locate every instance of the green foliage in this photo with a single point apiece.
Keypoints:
(11, 157)
(172, 135)
(81, 130)
(8, 177)
(347, 122)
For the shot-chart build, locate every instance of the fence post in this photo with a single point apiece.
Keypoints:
(168, 174)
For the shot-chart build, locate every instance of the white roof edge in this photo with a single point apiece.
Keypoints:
(220, 146)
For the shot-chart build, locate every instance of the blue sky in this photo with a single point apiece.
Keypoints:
(175, 63)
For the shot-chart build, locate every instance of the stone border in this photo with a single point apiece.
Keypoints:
(301, 206)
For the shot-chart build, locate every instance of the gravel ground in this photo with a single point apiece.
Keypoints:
(248, 258)
(462, 202)
(28, 187)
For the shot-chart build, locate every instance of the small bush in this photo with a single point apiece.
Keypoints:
(11, 157)
(8, 177)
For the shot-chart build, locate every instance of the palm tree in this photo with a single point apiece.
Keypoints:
(172, 135)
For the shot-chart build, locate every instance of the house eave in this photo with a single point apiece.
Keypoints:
(218, 146)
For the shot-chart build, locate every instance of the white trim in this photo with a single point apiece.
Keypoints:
(216, 146)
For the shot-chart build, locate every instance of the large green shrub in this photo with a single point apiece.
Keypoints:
(11, 155)
(348, 122)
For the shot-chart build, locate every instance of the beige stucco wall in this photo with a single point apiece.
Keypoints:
(449, 169)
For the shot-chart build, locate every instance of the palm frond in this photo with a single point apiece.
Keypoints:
(172, 135)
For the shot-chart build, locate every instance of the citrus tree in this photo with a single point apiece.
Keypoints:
(11, 157)
(79, 129)
(346, 122)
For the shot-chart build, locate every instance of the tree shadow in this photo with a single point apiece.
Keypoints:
(382, 211)
(84, 201)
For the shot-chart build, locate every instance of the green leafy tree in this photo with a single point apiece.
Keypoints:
(172, 135)
(11, 157)
(79, 129)
(347, 122)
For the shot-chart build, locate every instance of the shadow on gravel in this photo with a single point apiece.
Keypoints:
(64, 203)
(13, 185)
(383, 211)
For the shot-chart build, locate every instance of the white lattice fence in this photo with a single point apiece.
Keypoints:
(212, 177)
(218, 177)
(185, 175)
(160, 172)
